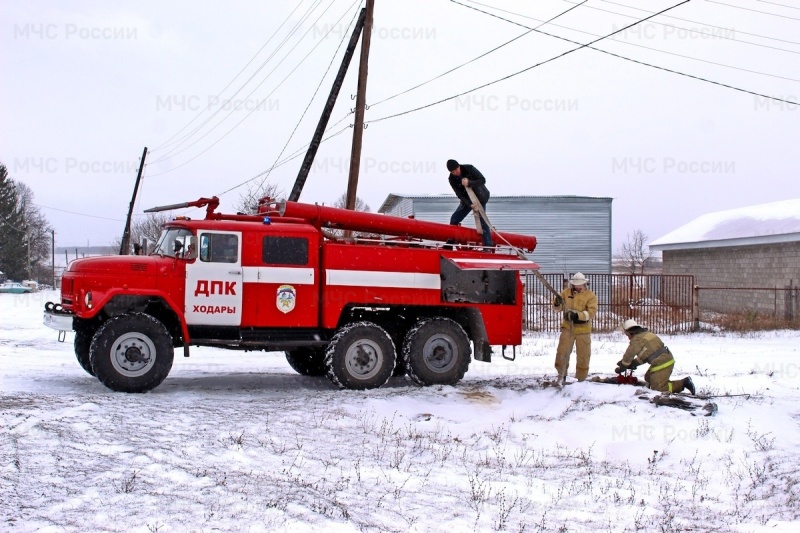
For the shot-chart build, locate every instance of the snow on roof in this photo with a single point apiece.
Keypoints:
(757, 224)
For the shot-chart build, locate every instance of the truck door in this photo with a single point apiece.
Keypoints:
(214, 281)
(282, 284)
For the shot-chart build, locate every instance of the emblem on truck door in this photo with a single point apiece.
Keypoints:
(286, 298)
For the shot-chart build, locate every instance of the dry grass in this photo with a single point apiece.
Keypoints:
(751, 321)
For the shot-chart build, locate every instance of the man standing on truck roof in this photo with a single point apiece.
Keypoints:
(647, 347)
(460, 177)
(579, 306)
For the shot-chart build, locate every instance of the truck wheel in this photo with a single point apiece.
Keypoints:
(307, 361)
(83, 342)
(360, 356)
(436, 352)
(132, 353)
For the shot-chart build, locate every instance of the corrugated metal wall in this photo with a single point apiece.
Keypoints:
(573, 232)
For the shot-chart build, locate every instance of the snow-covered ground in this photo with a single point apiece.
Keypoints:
(239, 442)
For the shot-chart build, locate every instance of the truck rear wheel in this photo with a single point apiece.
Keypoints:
(307, 361)
(360, 356)
(83, 342)
(436, 351)
(132, 353)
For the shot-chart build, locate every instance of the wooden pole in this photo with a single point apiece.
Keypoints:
(305, 167)
(361, 97)
(126, 234)
(53, 244)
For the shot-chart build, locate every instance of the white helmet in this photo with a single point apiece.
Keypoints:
(578, 279)
(629, 324)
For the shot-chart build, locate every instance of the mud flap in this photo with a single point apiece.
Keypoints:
(482, 350)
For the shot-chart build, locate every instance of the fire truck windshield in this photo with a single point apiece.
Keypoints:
(176, 242)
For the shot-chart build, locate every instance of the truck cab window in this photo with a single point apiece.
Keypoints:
(174, 242)
(219, 248)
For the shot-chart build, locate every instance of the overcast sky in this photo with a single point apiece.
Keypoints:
(88, 84)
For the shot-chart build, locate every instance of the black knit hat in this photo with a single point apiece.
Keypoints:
(452, 164)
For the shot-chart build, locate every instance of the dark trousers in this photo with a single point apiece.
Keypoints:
(461, 213)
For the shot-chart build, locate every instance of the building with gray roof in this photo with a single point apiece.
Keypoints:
(743, 260)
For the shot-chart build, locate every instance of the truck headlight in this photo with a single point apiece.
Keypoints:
(88, 300)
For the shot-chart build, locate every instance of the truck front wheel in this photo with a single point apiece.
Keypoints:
(307, 361)
(436, 351)
(360, 356)
(132, 353)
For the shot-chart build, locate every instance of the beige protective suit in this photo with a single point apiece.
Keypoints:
(577, 334)
(646, 345)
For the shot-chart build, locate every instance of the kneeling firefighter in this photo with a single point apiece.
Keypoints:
(647, 347)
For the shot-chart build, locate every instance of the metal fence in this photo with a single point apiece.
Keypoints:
(782, 303)
(662, 303)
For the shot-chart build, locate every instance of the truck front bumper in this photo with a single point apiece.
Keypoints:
(57, 318)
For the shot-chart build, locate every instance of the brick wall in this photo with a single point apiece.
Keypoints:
(764, 265)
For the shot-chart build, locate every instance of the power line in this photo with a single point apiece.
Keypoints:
(777, 4)
(252, 110)
(525, 69)
(313, 96)
(12, 226)
(705, 23)
(79, 214)
(236, 108)
(167, 142)
(753, 10)
(692, 30)
(621, 42)
(291, 157)
(630, 59)
(478, 57)
(263, 64)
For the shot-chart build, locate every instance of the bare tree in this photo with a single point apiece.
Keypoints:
(148, 227)
(248, 201)
(341, 203)
(634, 253)
(361, 205)
(37, 235)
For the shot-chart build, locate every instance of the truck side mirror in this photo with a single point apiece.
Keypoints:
(191, 249)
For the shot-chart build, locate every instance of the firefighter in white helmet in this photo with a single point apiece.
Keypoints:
(646, 347)
(579, 305)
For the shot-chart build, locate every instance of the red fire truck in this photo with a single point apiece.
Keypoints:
(394, 298)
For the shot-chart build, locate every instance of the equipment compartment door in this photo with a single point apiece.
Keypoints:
(214, 281)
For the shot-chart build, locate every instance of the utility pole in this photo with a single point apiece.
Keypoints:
(327, 110)
(361, 97)
(53, 263)
(28, 253)
(126, 235)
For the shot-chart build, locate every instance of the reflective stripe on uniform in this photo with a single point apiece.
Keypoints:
(662, 366)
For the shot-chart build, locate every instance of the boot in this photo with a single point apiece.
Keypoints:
(689, 385)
